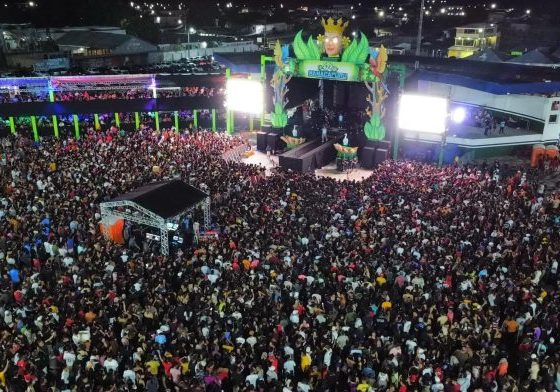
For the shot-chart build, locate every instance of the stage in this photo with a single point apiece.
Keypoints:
(261, 159)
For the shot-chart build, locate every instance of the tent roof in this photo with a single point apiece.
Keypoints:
(487, 55)
(535, 56)
(166, 199)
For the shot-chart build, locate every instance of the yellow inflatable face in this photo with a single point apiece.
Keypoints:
(333, 44)
(333, 40)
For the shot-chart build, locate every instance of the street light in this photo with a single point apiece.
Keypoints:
(190, 31)
(528, 12)
(420, 23)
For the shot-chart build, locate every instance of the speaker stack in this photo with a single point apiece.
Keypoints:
(261, 141)
(367, 157)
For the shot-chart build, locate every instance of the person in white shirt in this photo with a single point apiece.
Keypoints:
(327, 357)
(289, 366)
(129, 375)
(111, 364)
(69, 358)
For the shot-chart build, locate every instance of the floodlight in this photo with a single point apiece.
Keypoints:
(420, 113)
(172, 226)
(458, 115)
(244, 95)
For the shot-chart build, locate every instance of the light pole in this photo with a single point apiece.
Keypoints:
(189, 32)
(420, 23)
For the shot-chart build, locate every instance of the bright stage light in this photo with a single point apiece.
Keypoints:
(243, 95)
(458, 115)
(421, 113)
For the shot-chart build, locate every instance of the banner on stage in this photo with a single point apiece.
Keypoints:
(316, 69)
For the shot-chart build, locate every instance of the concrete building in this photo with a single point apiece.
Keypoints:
(100, 49)
(473, 38)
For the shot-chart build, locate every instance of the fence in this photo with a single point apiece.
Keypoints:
(235, 154)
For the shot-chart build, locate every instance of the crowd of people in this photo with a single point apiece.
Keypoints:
(415, 279)
(139, 94)
(65, 96)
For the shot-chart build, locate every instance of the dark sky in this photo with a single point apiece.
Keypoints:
(111, 12)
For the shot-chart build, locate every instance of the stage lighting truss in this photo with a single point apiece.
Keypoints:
(130, 211)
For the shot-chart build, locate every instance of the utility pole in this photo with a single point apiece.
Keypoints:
(420, 23)
(264, 33)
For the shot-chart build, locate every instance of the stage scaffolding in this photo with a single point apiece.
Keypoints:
(132, 211)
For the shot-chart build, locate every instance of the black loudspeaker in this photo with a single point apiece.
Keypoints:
(261, 141)
(381, 155)
(266, 129)
(367, 157)
(273, 140)
(277, 131)
(385, 144)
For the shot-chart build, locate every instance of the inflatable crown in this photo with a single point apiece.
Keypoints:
(331, 26)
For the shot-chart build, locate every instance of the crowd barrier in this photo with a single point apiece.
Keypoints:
(235, 154)
(109, 106)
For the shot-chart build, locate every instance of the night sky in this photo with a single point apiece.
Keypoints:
(56, 13)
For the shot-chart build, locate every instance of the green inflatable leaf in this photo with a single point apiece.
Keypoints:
(357, 52)
(300, 48)
(348, 54)
(313, 50)
(362, 52)
(374, 128)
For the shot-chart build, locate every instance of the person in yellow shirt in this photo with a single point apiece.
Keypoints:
(185, 367)
(3, 375)
(363, 386)
(380, 280)
(153, 366)
(386, 305)
(305, 360)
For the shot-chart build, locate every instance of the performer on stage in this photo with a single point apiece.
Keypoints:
(345, 141)
(295, 131)
(324, 137)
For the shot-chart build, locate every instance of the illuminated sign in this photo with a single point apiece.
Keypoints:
(329, 70)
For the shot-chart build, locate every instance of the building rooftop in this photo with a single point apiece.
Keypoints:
(92, 39)
(476, 26)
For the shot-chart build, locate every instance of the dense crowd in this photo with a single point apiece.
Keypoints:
(415, 279)
(64, 96)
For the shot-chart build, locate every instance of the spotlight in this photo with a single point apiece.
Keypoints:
(458, 115)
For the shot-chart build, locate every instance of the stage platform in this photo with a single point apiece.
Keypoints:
(309, 156)
(260, 159)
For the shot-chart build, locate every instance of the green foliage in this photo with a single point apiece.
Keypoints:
(303, 51)
(278, 118)
(313, 49)
(348, 53)
(300, 48)
(367, 74)
(357, 52)
(346, 156)
(374, 128)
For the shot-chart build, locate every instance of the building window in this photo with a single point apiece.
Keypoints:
(553, 119)
(555, 106)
